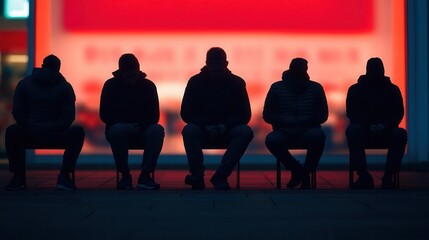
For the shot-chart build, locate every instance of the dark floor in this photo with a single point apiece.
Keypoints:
(256, 211)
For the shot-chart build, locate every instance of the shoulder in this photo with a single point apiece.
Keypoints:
(237, 80)
(148, 83)
(315, 85)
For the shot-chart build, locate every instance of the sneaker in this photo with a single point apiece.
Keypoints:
(197, 182)
(126, 183)
(65, 183)
(364, 182)
(296, 177)
(387, 183)
(146, 182)
(220, 182)
(16, 184)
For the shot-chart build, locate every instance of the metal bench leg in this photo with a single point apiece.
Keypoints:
(350, 178)
(238, 175)
(117, 178)
(313, 180)
(278, 173)
(396, 179)
(73, 177)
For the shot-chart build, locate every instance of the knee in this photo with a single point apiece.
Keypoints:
(191, 130)
(318, 136)
(399, 134)
(354, 130)
(275, 139)
(78, 133)
(156, 131)
(116, 132)
(14, 130)
(243, 131)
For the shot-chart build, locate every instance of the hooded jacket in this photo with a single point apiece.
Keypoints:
(295, 103)
(374, 100)
(209, 102)
(122, 103)
(44, 101)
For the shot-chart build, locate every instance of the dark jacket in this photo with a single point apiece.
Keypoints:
(374, 100)
(295, 104)
(208, 102)
(44, 102)
(121, 103)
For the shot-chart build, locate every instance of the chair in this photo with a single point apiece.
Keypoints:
(353, 168)
(133, 146)
(207, 144)
(313, 176)
(50, 147)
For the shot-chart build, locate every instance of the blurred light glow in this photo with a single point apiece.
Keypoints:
(14, 9)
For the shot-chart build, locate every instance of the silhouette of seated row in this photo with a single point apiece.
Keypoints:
(216, 111)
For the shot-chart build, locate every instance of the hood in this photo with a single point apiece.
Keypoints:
(46, 76)
(296, 81)
(205, 70)
(117, 74)
(373, 80)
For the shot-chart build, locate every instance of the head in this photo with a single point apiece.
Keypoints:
(375, 67)
(129, 68)
(298, 66)
(216, 61)
(52, 62)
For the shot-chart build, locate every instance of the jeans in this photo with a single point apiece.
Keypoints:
(359, 137)
(279, 142)
(19, 137)
(235, 140)
(121, 136)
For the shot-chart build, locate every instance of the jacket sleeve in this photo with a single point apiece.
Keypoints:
(270, 112)
(106, 115)
(190, 105)
(20, 109)
(323, 107)
(151, 111)
(68, 111)
(241, 111)
(355, 111)
(396, 109)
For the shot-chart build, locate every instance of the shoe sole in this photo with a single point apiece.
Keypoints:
(20, 188)
(64, 188)
(146, 187)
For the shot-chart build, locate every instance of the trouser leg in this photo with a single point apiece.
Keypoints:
(396, 140)
(356, 137)
(153, 139)
(278, 143)
(118, 136)
(239, 138)
(192, 138)
(15, 139)
(314, 141)
(73, 139)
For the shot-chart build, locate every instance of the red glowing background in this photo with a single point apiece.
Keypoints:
(170, 39)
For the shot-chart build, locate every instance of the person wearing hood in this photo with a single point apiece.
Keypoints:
(215, 107)
(296, 107)
(44, 109)
(129, 107)
(375, 109)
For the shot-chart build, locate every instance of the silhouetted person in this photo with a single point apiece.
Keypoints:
(130, 108)
(44, 109)
(375, 109)
(216, 108)
(296, 107)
